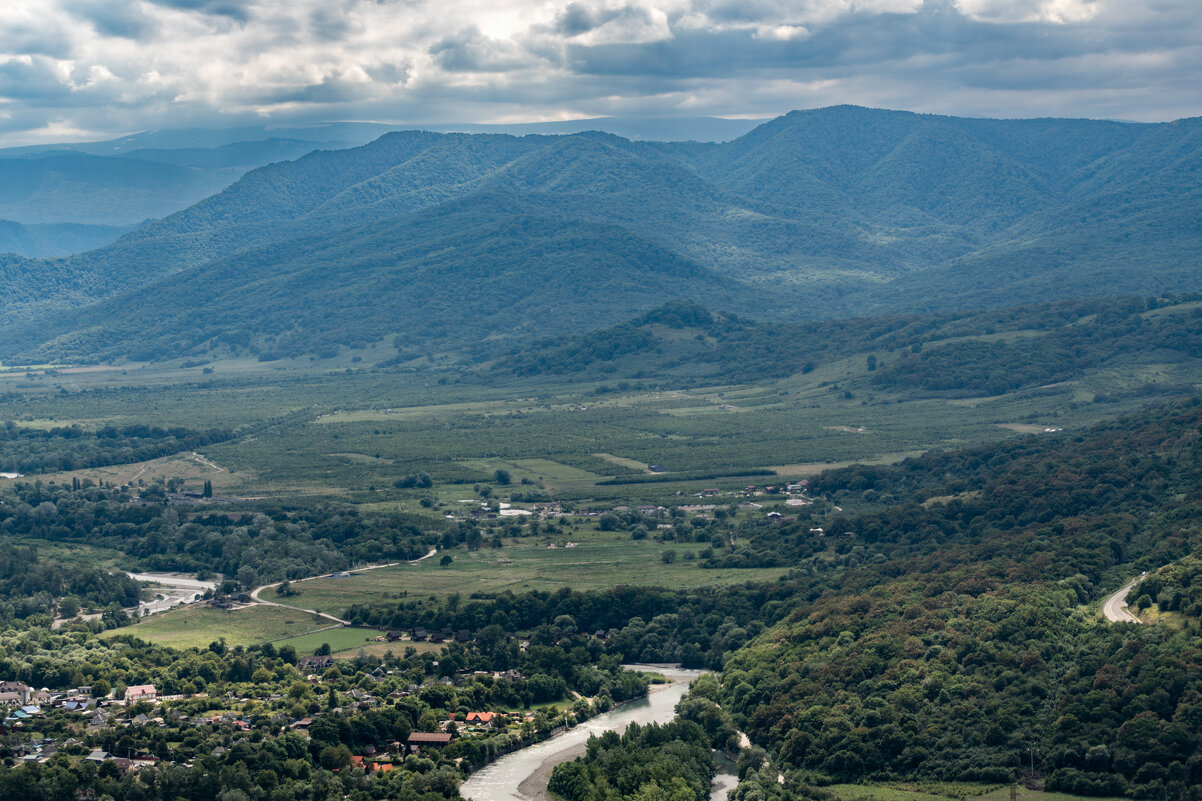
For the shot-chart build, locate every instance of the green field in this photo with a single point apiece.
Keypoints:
(329, 434)
(598, 560)
(197, 626)
(938, 791)
(338, 638)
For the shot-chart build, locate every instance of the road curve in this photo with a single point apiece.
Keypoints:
(1115, 609)
(257, 590)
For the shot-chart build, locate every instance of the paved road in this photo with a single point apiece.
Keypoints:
(1115, 608)
(255, 594)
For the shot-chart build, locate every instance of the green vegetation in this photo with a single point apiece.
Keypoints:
(985, 615)
(887, 534)
(43, 450)
(1176, 588)
(597, 560)
(797, 219)
(671, 762)
(197, 626)
(338, 639)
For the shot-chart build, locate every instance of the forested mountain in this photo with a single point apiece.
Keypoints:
(53, 240)
(75, 188)
(454, 277)
(958, 660)
(825, 213)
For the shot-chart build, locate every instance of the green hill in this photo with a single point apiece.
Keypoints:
(829, 213)
(449, 277)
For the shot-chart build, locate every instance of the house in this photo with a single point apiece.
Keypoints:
(484, 719)
(141, 692)
(463, 635)
(419, 739)
(394, 635)
(418, 634)
(19, 688)
(97, 756)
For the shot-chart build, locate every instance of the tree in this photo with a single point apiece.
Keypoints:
(248, 577)
(445, 561)
(207, 492)
(502, 477)
(668, 557)
(68, 607)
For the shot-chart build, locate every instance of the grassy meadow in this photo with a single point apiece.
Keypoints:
(598, 560)
(197, 626)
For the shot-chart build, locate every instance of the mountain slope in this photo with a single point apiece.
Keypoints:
(53, 240)
(98, 191)
(833, 212)
(447, 277)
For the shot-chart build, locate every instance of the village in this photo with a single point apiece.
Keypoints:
(137, 726)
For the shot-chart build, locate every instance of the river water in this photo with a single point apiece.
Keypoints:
(523, 775)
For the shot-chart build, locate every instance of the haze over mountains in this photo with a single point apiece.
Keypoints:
(437, 241)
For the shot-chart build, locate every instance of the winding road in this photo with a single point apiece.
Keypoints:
(255, 593)
(1115, 609)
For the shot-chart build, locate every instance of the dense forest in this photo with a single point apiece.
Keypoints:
(1174, 588)
(433, 237)
(254, 546)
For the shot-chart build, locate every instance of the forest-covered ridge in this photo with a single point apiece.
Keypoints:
(825, 213)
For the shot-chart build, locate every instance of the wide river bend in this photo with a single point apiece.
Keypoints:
(523, 775)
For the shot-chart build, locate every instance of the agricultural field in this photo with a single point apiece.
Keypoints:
(598, 560)
(330, 430)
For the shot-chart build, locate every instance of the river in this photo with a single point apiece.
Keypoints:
(523, 775)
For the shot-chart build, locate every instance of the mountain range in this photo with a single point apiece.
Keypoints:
(434, 241)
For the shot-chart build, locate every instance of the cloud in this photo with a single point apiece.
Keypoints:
(118, 65)
(223, 8)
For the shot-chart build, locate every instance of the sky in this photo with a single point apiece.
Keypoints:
(73, 70)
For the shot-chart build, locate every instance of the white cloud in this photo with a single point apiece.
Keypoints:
(1053, 11)
(117, 65)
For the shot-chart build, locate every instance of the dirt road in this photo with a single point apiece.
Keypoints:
(255, 594)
